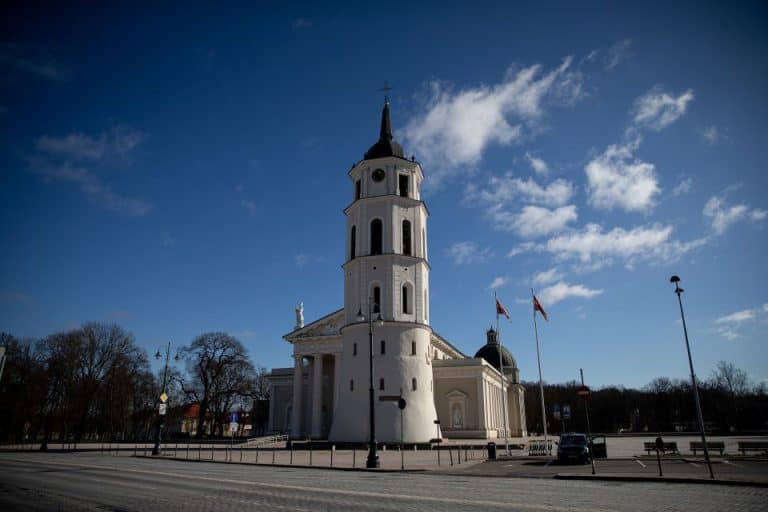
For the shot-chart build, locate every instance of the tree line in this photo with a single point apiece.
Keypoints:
(729, 403)
(95, 383)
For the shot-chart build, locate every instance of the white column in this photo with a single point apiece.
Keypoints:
(298, 382)
(271, 421)
(336, 382)
(317, 395)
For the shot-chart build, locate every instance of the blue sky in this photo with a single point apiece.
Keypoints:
(180, 171)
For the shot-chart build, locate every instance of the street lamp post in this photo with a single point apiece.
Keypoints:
(156, 449)
(679, 291)
(373, 456)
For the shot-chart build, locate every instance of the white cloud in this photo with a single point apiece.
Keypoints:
(738, 317)
(498, 283)
(505, 189)
(81, 147)
(521, 248)
(301, 23)
(728, 326)
(537, 164)
(723, 216)
(548, 276)
(31, 60)
(615, 178)
(300, 260)
(711, 134)
(658, 109)
(594, 248)
(562, 290)
(533, 221)
(250, 206)
(456, 127)
(54, 154)
(683, 187)
(617, 53)
(464, 253)
(96, 191)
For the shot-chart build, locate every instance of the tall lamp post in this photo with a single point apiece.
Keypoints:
(373, 456)
(158, 356)
(679, 292)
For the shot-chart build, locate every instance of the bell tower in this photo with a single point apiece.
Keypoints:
(386, 271)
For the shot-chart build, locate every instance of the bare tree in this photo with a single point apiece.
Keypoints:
(729, 379)
(220, 376)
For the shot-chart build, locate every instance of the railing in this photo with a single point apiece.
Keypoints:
(259, 441)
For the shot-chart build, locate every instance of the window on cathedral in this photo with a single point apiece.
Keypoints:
(357, 189)
(406, 299)
(351, 384)
(376, 300)
(413, 383)
(413, 348)
(383, 347)
(381, 384)
(354, 349)
(407, 237)
(352, 242)
(376, 236)
(403, 185)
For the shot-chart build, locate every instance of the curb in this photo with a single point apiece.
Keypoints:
(661, 480)
(298, 466)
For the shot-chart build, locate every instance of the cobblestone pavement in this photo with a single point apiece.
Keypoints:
(34, 481)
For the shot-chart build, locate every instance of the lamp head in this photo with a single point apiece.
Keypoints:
(674, 279)
(360, 316)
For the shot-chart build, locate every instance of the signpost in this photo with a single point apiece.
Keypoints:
(163, 409)
(401, 403)
(584, 393)
(164, 397)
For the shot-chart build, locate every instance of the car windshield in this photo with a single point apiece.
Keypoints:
(573, 441)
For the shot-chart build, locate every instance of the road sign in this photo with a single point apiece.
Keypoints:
(566, 412)
(556, 411)
(584, 392)
(164, 397)
(233, 426)
(163, 409)
(401, 403)
(233, 417)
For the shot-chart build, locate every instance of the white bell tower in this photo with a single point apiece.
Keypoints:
(386, 268)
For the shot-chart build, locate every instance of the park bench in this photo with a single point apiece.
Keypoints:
(698, 446)
(753, 446)
(668, 447)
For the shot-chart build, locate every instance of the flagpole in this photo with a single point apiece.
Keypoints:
(503, 378)
(541, 382)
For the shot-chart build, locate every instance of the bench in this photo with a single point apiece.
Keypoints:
(698, 446)
(753, 446)
(668, 447)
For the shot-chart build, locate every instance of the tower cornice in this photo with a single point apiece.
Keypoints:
(414, 259)
(403, 201)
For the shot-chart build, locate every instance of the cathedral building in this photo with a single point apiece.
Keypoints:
(386, 296)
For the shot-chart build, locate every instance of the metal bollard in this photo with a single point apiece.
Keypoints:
(257, 455)
(291, 459)
(333, 449)
(450, 454)
(211, 451)
(273, 455)
(241, 453)
(310, 452)
(354, 452)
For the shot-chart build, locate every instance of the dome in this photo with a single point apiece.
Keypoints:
(386, 145)
(490, 352)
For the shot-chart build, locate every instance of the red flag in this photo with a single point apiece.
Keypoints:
(537, 307)
(500, 309)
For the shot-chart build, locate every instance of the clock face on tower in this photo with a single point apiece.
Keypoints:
(378, 175)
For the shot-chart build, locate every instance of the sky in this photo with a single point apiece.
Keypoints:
(179, 171)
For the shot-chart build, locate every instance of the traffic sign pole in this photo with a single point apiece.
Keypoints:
(584, 393)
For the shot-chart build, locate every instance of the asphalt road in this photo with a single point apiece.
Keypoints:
(35, 481)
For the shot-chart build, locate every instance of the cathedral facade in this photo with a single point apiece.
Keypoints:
(386, 313)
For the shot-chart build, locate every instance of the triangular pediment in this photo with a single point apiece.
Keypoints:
(329, 325)
(456, 393)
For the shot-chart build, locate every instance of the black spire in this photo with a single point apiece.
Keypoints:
(386, 145)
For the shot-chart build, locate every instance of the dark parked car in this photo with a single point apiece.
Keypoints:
(573, 448)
